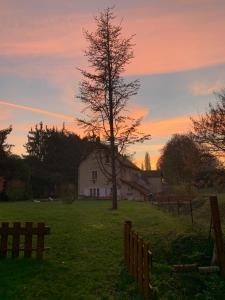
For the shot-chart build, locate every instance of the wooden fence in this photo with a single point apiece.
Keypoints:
(138, 259)
(22, 239)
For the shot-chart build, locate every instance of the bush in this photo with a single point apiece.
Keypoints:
(17, 190)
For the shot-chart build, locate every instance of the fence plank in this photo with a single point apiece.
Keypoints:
(218, 233)
(40, 240)
(4, 239)
(140, 264)
(127, 229)
(16, 239)
(146, 270)
(28, 240)
(139, 259)
(135, 270)
(131, 252)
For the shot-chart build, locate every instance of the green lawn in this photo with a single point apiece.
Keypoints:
(85, 259)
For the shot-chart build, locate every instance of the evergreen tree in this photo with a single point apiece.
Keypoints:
(147, 162)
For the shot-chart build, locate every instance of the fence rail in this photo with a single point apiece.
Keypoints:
(22, 239)
(138, 259)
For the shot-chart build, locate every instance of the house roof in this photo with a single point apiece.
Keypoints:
(121, 158)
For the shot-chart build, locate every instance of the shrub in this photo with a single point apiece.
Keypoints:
(18, 190)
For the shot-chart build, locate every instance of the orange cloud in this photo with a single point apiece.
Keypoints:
(161, 128)
(137, 111)
(147, 147)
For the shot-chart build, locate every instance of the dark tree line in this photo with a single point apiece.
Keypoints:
(53, 156)
(13, 169)
(50, 167)
(183, 161)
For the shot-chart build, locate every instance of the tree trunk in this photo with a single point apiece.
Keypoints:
(114, 185)
(111, 123)
(113, 152)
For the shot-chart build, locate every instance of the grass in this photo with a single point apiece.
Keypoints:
(85, 259)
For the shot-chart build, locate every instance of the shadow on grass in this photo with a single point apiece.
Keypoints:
(29, 279)
(126, 287)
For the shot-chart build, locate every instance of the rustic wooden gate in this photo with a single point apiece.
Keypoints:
(22, 234)
(138, 259)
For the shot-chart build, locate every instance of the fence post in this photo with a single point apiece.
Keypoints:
(218, 233)
(127, 229)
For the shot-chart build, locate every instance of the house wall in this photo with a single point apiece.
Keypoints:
(155, 184)
(129, 193)
(103, 186)
(86, 182)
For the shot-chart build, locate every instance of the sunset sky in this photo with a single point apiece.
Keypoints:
(179, 60)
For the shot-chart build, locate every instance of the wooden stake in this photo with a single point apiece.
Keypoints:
(218, 233)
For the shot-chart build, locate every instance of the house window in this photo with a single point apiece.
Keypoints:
(97, 193)
(94, 192)
(94, 176)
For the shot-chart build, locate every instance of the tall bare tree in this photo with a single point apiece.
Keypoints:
(209, 129)
(105, 93)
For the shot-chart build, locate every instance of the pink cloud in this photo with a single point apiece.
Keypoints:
(166, 41)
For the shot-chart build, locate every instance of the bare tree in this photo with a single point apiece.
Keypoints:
(209, 129)
(105, 93)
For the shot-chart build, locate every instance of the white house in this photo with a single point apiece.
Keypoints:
(132, 183)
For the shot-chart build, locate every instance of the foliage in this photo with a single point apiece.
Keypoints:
(105, 93)
(4, 147)
(183, 162)
(209, 129)
(18, 191)
(54, 156)
(13, 168)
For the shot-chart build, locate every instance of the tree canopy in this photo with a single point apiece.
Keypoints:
(54, 156)
(182, 160)
(209, 129)
(5, 148)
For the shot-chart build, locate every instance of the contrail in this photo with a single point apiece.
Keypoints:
(38, 110)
